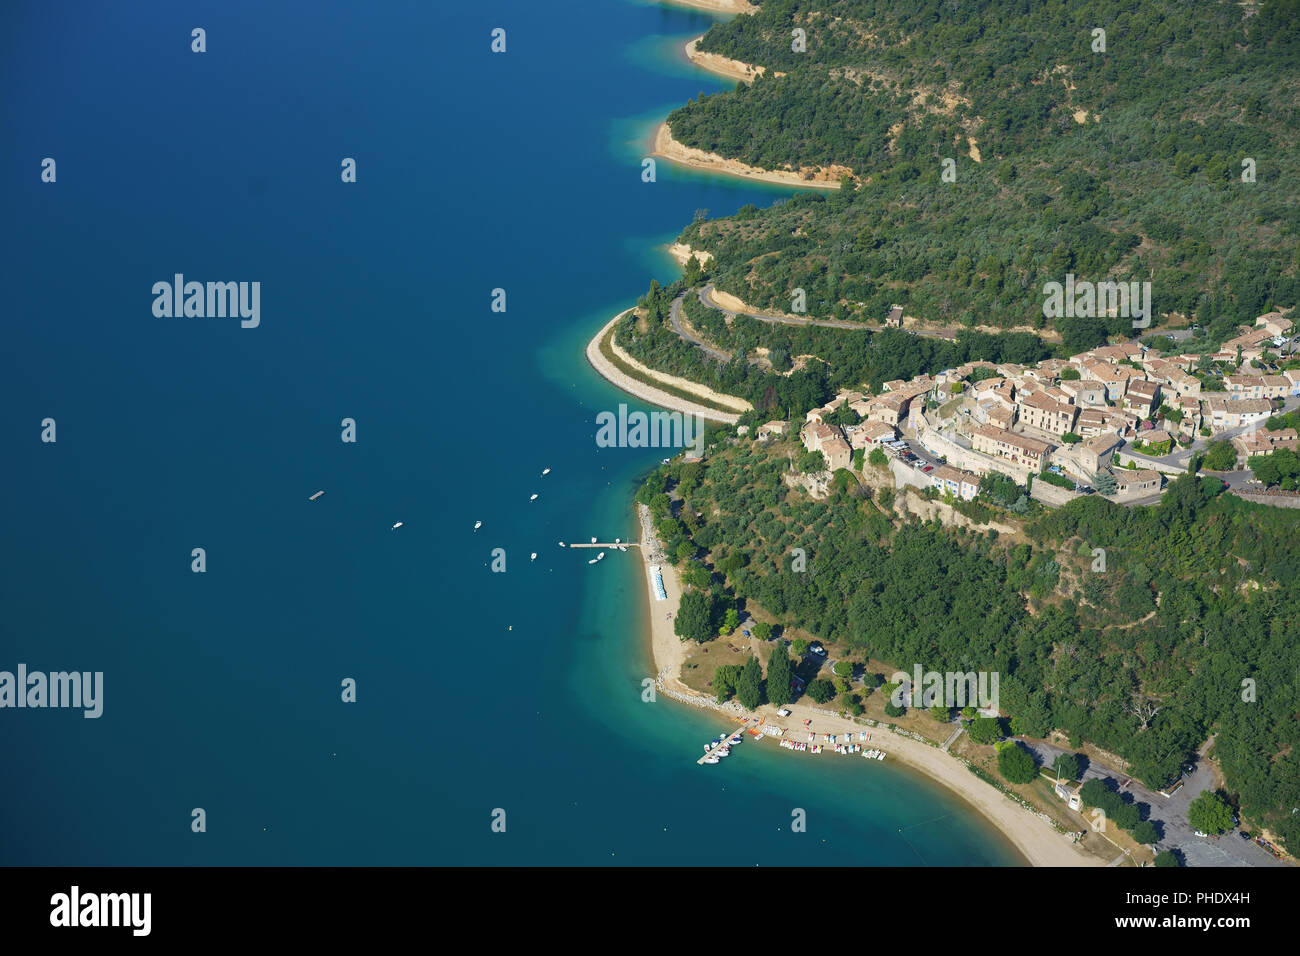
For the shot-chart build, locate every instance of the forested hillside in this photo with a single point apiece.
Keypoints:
(1188, 630)
(1123, 163)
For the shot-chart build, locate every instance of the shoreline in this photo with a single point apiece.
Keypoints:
(649, 393)
(1036, 840)
(715, 6)
(723, 66)
(670, 149)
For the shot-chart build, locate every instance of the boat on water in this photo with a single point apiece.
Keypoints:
(532, 556)
(546, 471)
(593, 540)
(708, 747)
(593, 560)
(396, 526)
(600, 556)
(710, 759)
(533, 497)
(315, 496)
(477, 525)
(561, 544)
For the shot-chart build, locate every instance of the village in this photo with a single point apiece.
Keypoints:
(1118, 420)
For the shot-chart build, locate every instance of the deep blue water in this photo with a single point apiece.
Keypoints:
(475, 690)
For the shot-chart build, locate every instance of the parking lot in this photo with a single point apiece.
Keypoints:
(912, 454)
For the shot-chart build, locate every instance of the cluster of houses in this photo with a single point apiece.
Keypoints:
(1073, 414)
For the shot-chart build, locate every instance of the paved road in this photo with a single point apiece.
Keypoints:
(674, 318)
(1170, 815)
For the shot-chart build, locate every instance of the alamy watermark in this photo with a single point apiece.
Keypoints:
(654, 430)
(211, 300)
(928, 689)
(82, 690)
(1087, 300)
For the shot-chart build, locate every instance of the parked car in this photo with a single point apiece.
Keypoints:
(928, 468)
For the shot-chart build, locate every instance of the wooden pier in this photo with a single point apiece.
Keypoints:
(726, 741)
(607, 544)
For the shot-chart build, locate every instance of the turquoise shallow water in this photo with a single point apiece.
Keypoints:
(476, 690)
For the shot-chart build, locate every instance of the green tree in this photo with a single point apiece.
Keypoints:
(695, 615)
(1067, 765)
(724, 681)
(878, 458)
(1220, 456)
(730, 621)
(1166, 858)
(941, 713)
(821, 690)
(749, 685)
(985, 730)
(812, 462)
(778, 678)
(1016, 764)
(1145, 832)
(1209, 813)
(1105, 483)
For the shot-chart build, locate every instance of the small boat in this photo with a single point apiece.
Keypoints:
(546, 471)
(396, 526)
(593, 561)
(477, 525)
(561, 544)
(315, 496)
(708, 747)
(882, 755)
(617, 540)
(600, 556)
(533, 498)
(593, 540)
(533, 556)
(710, 759)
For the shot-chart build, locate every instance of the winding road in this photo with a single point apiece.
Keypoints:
(705, 295)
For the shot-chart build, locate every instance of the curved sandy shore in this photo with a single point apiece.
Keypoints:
(670, 149)
(723, 66)
(1040, 843)
(656, 396)
(715, 6)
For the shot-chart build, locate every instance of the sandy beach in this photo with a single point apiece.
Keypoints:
(721, 65)
(715, 6)
(673, 151)
(656, 396)
(1040, 843)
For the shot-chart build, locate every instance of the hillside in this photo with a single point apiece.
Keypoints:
(1122, 164)
(1199, 599)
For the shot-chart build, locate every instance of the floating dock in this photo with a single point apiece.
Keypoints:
(315, 496)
